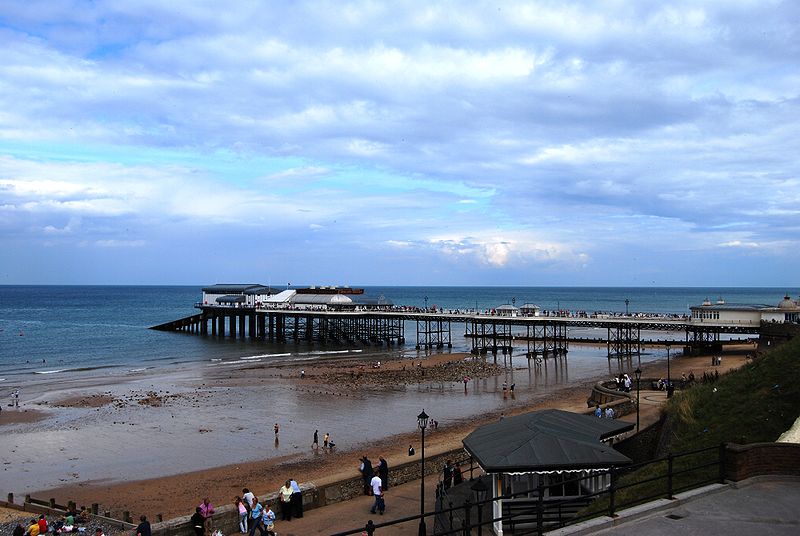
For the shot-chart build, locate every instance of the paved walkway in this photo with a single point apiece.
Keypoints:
(401, 501)
(763, 506)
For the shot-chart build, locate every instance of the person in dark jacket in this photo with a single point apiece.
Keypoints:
(383, 472)
(366, 473)
(198, 522)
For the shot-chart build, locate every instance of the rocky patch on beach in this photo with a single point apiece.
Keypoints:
(448, 372)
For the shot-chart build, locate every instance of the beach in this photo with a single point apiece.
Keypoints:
(157, 443)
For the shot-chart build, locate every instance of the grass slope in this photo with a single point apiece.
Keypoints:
(756, 403)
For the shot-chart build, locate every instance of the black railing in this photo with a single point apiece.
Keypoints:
(534, 513)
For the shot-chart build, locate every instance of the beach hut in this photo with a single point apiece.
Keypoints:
(507, 310)
(545, 450)
(530, 309)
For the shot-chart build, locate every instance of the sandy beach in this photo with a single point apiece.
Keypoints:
(156, 444)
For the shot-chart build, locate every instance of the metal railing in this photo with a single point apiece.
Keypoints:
(534, 512)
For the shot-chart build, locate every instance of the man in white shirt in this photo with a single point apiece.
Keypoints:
(377, 490)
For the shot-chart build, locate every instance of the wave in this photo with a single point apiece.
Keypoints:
(76, 369)
(329, 352)
(142, 369)
(251, 357)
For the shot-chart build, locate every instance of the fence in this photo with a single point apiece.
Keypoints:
(532, 512)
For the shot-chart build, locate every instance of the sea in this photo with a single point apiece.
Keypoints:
(74, 331)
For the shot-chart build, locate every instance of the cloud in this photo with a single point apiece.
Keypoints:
(531, 134)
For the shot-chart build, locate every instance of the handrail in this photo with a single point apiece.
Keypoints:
(554, 513)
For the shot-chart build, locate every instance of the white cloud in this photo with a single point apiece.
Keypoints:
(427, 129)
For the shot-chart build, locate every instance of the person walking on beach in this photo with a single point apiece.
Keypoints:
(315, 443)
(285, 496)
(325, 440)
(377, 491)
(207, 511)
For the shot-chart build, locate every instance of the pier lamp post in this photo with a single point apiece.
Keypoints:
(627, 301)
(479, 488)
(638, 374)
(426, 309)
(422, 422)
(669, 379)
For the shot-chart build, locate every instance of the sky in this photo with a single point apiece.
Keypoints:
(541, 143)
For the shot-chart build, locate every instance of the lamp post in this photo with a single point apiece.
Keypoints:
(422, 422)
(627, 301)
(638, 374)
(669, 379)
(480, 489)
(426, 309)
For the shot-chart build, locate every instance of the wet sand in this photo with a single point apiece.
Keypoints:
(132, 445)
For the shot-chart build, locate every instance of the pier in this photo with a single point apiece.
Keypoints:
(540, 336)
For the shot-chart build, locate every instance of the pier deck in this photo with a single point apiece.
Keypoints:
(543, 335)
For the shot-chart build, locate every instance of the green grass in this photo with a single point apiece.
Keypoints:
(755, 403)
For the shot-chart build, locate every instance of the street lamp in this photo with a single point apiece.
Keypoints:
(426, 309)
(669, 379)
(627, 301)
(480, 488)
(422, 422)
(638, 374)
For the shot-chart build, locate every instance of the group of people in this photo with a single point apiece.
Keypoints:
(68, 522)
(326, 441)
(624, 383)
(451, 474)
(376, 481)
(255, 515)
(599, 413)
